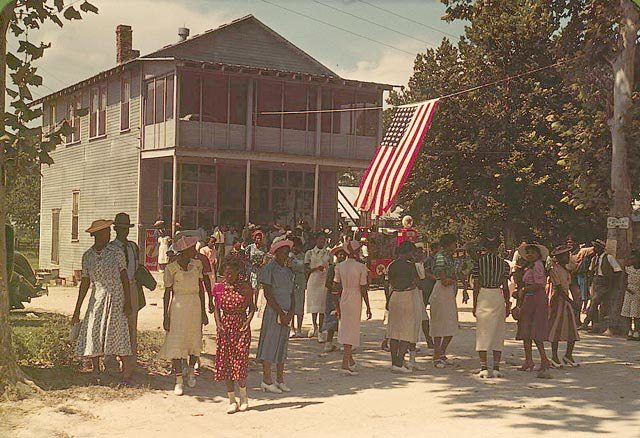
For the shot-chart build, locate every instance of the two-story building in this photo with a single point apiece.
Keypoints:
(181, 134)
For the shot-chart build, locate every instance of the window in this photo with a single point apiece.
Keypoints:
(196, 194)
(238, 90)
(327, 104)
(366, 121)
(149, 103)
(55, 236)
(125, 96)
(215, 98)
(295, 99)
(168, 107)
(269, 99)
(75, 218)
(52, 116)
(311, 105)
(73, 118)
(189, 95)
(98, 117)
(159, 100)
(342, 121)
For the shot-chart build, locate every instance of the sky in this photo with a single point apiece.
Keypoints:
(84, 48)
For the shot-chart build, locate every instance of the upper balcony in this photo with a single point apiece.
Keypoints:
(221, 111)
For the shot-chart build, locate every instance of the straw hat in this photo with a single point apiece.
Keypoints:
(280, 244)
(336, 249)
(599, 242)
(158, 223)
(544, 252)
(98, 225)
(185, 242)
(256, 232)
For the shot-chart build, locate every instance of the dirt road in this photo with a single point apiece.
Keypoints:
(600, 397)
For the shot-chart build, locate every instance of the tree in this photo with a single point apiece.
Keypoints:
(490, 160)
(23, 148)
(23, 203)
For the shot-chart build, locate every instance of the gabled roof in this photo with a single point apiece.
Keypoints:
(246, 41)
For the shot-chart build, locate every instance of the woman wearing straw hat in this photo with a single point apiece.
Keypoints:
(104, 331)
(352, 275)
(562, 320)
(184, 311)
(277, 281)
(532, 310)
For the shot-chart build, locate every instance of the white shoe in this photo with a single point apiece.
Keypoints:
(283, 387)
(400, 370)
(497, 374)
(485, 374)
(355, 366)
(244, 406)
(322, 337)
(178, 389)
(329, 347)
(348, 372)
(273, 388)
(191, 379)
(233, 408)
(312, 333)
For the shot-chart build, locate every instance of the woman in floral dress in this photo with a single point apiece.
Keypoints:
(631, 304)
(233, 312)
(104, 330)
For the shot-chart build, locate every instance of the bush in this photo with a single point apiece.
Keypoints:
(43, 341)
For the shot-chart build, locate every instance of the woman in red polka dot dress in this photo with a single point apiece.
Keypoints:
(233, 312)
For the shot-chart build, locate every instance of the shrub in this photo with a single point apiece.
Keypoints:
(44, 342)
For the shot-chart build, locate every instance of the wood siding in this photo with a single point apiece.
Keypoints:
(328, 200)
(104, 170)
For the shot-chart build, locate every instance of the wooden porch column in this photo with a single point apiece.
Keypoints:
(174, 199)
(247, 194)
(316, 185)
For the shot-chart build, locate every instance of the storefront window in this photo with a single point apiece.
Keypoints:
(196, 195)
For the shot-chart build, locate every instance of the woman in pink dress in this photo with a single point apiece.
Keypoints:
(233, 312)
(533, 309)
(352, 276)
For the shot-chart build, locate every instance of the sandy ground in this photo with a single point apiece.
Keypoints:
(600, 397)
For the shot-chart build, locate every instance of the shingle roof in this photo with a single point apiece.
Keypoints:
(249, 42)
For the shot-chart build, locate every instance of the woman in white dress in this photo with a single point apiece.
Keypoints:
(164, 242)
(317, 262)
(184, 311)
(352, 276)
(104, 330)
(631, 304)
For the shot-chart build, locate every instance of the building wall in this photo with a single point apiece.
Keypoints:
(328, 200)
(104, 171)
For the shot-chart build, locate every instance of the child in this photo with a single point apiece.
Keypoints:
(233, 313)
(184, 311)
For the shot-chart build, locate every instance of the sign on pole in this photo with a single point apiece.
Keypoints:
(618, 222)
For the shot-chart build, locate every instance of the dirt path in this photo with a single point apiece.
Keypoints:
(601, 397)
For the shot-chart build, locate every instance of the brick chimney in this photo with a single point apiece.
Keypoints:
(124, 44)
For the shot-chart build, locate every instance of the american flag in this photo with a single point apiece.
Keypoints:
(394, 158)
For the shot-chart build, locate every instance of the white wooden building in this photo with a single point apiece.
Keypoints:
(180, 134)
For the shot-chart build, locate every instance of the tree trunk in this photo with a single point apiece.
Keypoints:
(623, 71)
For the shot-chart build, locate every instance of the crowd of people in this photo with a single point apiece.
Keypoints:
(280, 274)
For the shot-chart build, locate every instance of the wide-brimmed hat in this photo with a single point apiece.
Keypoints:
(158, 223)
(599, 242)
(336, 249)
(280, 244)
(98, 225)
(185, 242)
(256, 232)
(561, 249)
(122, 220)
(544, 251)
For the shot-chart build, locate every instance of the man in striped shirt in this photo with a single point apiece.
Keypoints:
(491, 305)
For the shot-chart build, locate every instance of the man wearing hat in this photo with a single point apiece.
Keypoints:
(122, 225)
(607, 274)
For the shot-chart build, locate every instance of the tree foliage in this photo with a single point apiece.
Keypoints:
(23, 147)
(23, 203)
(527, 157)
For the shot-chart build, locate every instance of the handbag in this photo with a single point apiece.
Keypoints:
(515, 313)
(144, 278)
